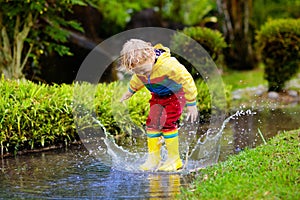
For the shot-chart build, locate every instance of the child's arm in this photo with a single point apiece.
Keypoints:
(192, 112)
(126, 95)
(135, 84)
(179, 74)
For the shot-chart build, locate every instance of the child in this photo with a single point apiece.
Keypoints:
(172, 87)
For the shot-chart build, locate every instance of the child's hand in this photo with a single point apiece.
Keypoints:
(192, 112)
(125, 96)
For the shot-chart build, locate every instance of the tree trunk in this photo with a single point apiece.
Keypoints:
(238, 33)
(6, 54)
(12, 64)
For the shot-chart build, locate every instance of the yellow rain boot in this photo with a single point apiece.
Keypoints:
(154, 145)
(173, 161)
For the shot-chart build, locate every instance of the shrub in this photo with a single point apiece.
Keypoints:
(211, 40)
(203, 57)
(278, 43)
(120, 119)
(34, 115)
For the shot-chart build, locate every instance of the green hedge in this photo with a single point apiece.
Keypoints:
(121, 118)
(278, 44)
(34, 116)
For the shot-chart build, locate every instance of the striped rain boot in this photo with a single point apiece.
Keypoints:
(173, 161)
(153, 160)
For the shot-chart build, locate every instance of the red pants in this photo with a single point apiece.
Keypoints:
(164, 113)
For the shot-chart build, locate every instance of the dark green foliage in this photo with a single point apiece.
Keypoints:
(199, 49)
(118, 13)
(278, 43)
(212, 42)
(266, 9)
(32, 28)
(188, 12)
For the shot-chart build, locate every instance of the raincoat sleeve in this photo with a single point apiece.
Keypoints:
(179, 74)
(135, 84)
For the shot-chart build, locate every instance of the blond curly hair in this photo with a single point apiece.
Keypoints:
(135, 51)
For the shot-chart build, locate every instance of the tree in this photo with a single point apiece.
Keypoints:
(236, 27)
(31, 28)
(274, 9)
(187, 12)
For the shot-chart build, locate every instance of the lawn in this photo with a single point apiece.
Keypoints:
(244, 79)
(269, 171)
(249, 88)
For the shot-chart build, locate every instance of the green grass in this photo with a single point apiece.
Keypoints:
(244, 79)
(270, 171)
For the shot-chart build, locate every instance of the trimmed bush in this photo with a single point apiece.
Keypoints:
(35, 116)
(204, 58)
(211, 40)
(278, 43)
(205, 97)
(121, 118)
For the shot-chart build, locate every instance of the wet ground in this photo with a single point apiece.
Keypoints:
(72, 173)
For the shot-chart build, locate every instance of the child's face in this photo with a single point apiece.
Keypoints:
(144, 68)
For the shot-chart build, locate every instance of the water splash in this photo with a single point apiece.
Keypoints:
(207, 149)
(197, 152)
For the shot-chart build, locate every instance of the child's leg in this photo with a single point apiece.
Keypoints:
(157, 115)
(164, 114)
(170, 132)
(153, 136)
(154, 145)
(173, 161)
